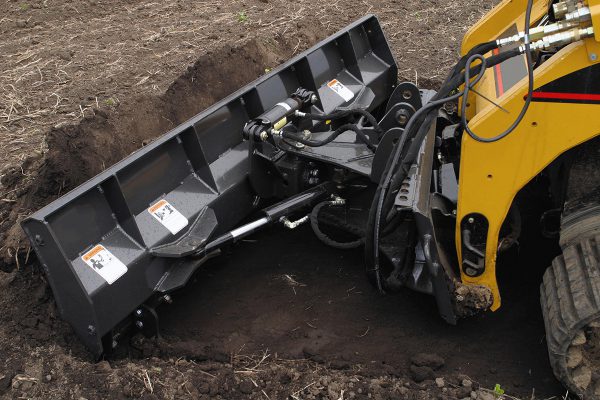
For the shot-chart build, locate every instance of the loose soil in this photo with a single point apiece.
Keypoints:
(85, 83)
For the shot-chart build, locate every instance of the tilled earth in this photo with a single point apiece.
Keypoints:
(85, 83)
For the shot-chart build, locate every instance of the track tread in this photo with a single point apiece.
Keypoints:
(570, 299)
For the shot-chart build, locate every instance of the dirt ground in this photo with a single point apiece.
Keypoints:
(108, 76)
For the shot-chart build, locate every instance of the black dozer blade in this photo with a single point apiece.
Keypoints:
(128, 235)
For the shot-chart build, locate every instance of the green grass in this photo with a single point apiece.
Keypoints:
(242, 17)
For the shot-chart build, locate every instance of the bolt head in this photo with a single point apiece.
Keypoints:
(138, 312)
(314, 98)
(264, 136)
(402, 117)
(593, 56)
(139, 324)
(471, 220)
(470, 272)
(38, 240)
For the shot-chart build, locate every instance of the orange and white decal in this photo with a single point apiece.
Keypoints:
(340, 89)
(103, 262)
(165, 213)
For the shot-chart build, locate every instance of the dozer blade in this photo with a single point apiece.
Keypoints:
(136, 232)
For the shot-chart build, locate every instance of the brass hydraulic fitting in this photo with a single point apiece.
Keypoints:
(560, 39)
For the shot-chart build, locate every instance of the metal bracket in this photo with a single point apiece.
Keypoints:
(146, 320)
(194, 239)
(474, 228)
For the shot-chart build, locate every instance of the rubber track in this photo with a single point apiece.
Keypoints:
(570, 299)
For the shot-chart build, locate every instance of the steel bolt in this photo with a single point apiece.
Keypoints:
(264, 136)
(314, 98)
(138, 312)
(593, 56)
(139, 324)
(471, 220)
(91, 329)
(38, 240)
(402, 116)
(470, 272)
(167, 299)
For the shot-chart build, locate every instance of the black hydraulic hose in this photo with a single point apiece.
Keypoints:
(459, 79)
(482, 48)
(314, 223)
(344, 113)
(318, 143)
(525, 107)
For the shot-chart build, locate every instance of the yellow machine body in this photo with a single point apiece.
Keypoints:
(491, 174)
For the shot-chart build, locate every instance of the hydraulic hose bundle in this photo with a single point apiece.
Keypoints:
(341, 129)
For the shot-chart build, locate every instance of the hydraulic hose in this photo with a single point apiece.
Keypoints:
(318, 143)
(314, 223)
(460, 65)
(344, 113)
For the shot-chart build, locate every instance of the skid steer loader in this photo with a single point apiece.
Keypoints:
(332, 130)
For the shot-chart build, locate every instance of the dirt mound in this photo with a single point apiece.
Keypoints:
(78, 152)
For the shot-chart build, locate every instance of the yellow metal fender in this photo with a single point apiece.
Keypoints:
(491, 174)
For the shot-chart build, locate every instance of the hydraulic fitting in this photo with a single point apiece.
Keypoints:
(562, 8)
(560, 39)
(570, 14)
(580, 15)
(293, 224)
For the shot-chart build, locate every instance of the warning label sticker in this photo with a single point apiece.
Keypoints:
(167, 215)
(341, 90)
(104, 263)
